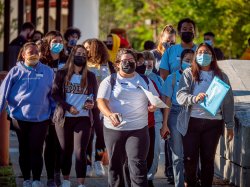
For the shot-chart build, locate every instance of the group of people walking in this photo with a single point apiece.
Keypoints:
(61, 93)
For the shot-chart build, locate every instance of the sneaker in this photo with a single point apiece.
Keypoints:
(89, 171)
(58, 179)
(37, 184)
(27, 183)
(99, 170)
(66, 183)
(51, 183)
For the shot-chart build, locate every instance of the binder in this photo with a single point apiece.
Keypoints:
(215, 95)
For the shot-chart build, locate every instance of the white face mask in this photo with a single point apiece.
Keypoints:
(148, 71)
(32, 60)
(185, 65)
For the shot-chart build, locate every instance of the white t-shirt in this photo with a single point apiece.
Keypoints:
(127, 99)
(75, 96)
(197, 110)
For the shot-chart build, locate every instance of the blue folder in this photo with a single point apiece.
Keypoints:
(215, 95)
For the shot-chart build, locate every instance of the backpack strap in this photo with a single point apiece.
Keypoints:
(113, 78)
(145, 78)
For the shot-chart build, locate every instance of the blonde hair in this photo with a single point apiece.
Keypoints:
(167, 29)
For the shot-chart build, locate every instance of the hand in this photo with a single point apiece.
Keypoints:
(164, 129)
(73, 110)
(200, 97)
(113, 117)
(229, 134)
(89, 105)
(152, 108)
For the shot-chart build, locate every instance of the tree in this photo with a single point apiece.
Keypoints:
(228, 19)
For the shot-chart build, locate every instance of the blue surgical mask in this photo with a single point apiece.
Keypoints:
(185, 65)
(204, 59)
(72, 42)
(209, 42)
(56, 48)
(148, 71)
(166, 45)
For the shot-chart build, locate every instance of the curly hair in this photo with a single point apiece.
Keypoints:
(71, 31)
(98, 52)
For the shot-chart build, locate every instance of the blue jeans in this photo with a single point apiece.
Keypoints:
(176, 146)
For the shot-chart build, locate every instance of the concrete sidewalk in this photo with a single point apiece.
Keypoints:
(160, 180)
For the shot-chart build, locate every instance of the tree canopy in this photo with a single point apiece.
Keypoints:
(229, 20)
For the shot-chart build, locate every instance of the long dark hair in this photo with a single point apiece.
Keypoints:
(196, 68)
(46, 57)
(69, 67)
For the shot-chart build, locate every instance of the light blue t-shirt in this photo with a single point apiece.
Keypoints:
(169, 89)
(157, 80)
(171, 59)
(75, 96)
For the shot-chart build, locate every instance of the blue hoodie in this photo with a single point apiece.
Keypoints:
(28, 92)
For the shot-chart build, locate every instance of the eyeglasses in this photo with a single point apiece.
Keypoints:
(204, 52)
(128, 61)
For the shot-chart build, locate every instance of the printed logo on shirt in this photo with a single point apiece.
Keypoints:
(73, 88)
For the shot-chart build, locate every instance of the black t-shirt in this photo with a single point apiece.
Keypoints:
(219, 54)
(14, 48)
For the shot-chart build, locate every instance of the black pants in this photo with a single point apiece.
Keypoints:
(150, 156)
(99, 145)
(201, 140)
(75, 135)
(31, 136)
(52, 153)
(132, 145)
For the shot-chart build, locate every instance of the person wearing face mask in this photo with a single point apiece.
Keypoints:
(52, 54)
(155, 152)
(27, 92)
(15, 45)
(166, 39)
(113, 44)
(125, 108)
(201, 130)
(170, 61)
(140, 64)
(209, 39)
(169, 90)
(98, 64)
(71, 35)
(72, 89)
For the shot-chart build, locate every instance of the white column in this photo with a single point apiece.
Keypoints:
(86, 18)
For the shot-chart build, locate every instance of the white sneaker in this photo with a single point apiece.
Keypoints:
(99, 170)
(89, 171)
(27, 183)
(37, 184)
(66, 183)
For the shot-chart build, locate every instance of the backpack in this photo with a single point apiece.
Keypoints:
(113, 78)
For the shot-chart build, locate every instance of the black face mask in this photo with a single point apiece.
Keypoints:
(128, 67)
(109, 46)
(80, 61)
(187, 37)
(141, 69)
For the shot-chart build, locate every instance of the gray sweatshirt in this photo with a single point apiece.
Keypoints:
(186, 99)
